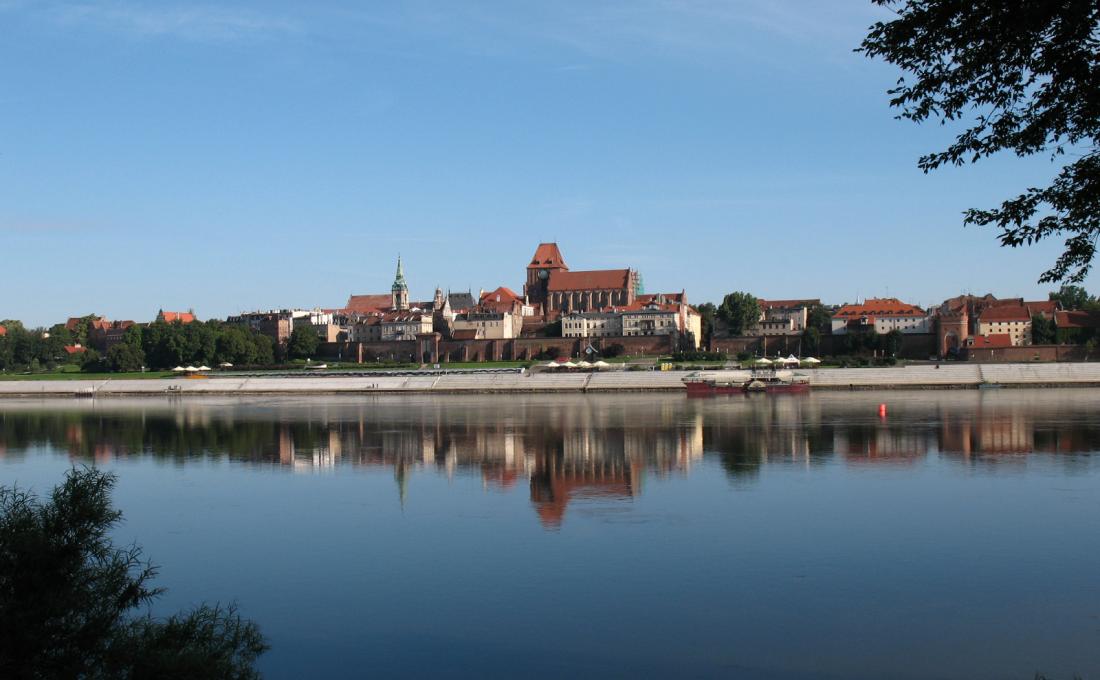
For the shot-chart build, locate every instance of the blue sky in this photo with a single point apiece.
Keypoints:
(237, 156)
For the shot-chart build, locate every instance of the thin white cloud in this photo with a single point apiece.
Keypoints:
(197, 23)
(618, 30)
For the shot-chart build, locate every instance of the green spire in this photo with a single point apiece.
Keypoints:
(399, 280)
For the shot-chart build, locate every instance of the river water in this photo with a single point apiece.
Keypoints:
(954, 534)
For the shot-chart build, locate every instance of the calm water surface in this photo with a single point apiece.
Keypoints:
(807, 536)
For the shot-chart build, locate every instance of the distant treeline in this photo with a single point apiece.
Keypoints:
(158, 345)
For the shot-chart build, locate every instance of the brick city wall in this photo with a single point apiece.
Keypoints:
(913, 345)
(1025, 354)
(491, 350)
(360, 352)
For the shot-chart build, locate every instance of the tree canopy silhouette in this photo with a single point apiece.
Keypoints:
(68, 597)
(1025, 76)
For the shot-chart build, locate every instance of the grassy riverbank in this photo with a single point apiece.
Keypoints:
(148, 375)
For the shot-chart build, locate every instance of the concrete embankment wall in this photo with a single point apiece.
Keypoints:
(961, 375)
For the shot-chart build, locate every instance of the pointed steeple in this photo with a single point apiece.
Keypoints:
(400, 290)
(399, 280)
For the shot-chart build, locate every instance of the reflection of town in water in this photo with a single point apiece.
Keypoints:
(569, 448)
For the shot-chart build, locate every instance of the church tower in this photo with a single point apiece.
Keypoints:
(399, 293)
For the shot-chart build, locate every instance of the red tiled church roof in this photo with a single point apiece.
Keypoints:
(365, 304)
(605, 279)
(547, 255)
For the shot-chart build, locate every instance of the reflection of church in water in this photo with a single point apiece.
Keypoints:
(574, 452)
(567, 460)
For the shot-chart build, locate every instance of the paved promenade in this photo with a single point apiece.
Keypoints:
(946, 376)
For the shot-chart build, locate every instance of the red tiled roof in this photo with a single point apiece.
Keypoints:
(74, 349)
(1005, 313)
(993, 340)
(182, 317)
(464, 334)
(501, 294)
(391, 317)
(873, 307)
(547, 255)
(1045, 307)
(668, 297)
(604, 279)
(364, 304)
(3, 331)
(1076, 319)
(769, 304)
(74, 320)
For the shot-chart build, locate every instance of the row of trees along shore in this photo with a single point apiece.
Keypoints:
(155, 346)
(739, 310)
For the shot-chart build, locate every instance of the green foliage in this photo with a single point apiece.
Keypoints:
(303, 342)
(1043, 330)
(811, 341)
(739, 311)
(890, 343)
(67, 597)
(707, 312)
(125, 358)
(82, 331)
(819, 318)
(158, 345)
(1023, 74)
(1074, 297)
(886, 344)
(91, 362)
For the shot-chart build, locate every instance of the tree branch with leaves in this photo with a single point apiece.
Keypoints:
(1024, 76)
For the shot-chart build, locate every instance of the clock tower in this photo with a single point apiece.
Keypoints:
(546, 261)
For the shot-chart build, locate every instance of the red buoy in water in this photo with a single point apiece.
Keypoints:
(882, 410)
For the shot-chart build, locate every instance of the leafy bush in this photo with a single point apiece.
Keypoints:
(68, 597)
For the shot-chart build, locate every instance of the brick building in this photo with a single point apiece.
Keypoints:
(552, 286)
(782, 317)
(958, 320)
(881, 315)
